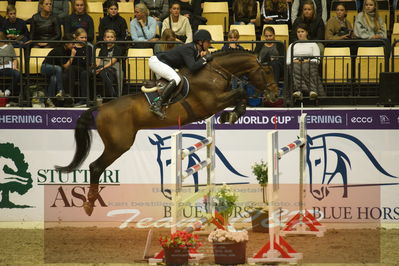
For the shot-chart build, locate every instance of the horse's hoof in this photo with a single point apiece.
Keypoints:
(224, 117)
(233, 117)
(88, 207)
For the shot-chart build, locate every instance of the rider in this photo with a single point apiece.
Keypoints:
(192, 55)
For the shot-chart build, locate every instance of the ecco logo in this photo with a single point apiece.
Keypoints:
(61, 120)
(363, 119)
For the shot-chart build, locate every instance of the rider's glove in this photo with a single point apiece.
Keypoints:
(208, 57)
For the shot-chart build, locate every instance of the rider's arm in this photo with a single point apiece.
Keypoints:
(189, 56)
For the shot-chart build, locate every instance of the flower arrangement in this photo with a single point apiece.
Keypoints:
(260, 170)
(220, 235)
(180, 239)
(225, 200)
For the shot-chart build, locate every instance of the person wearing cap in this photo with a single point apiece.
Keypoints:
(193, 55)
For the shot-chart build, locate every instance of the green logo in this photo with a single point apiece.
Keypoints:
(15, 176)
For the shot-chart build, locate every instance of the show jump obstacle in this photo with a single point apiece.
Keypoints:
(178, 175)
(277, 249)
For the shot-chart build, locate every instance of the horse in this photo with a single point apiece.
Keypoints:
(119, 120)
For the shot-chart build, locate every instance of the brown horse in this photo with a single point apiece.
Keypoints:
(118, 121)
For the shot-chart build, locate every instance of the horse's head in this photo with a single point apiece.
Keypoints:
(240, 62)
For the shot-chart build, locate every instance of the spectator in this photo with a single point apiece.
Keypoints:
(338, 27)
(14, 28)
(158, 9)
(244, 11)
(271, 53)
(9, 67)
(232, 36)
(55, 62)
(314, 23)
(179, 24)
(81, 58)
(305, 68)
(44, 25)
(113, 21)
(192, 10)
(320, 9)
(143, 26)
(108, 66)
(168, 35)
(275, 12)
(61, 9)
(80, 19)
(368, 24)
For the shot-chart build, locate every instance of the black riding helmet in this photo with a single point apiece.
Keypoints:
(202, 35)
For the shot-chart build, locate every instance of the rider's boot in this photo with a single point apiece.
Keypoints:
(156, 106)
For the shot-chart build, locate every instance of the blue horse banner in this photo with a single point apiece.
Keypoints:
(352, 154)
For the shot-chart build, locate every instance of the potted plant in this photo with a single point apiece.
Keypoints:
(260, 216)
(177, 246)
(225, 202)
(229, 247)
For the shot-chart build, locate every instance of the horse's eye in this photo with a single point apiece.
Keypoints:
(317, 162)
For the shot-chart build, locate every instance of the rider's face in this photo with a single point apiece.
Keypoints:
(206, 45)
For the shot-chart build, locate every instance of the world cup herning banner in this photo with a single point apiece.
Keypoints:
(352, 171)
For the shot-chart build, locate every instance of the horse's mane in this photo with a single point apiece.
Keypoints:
(231, 51)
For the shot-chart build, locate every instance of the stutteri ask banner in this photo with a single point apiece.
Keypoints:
(352, 162)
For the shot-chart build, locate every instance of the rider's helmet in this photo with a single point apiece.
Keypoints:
(202, 35)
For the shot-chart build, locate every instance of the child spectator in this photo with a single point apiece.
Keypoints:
(232, 36)
(338, 27)
(179, 24)
(368, 23)
(314, 23)
(45, 25)
(80, 19)
(244, 11)
(320, 9)
(54, 64)
(14, 28)
(168, 35)
(113, 21)
(9, 67)
(108, 66)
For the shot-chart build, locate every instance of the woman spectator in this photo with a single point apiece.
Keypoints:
(368, 24)
(113, 21)
(320, 9)
(192, 10)
(244, 11)
(80, 19)
(45, 26)
(158, 9)
(143, 26)
(271, 53)
(53, 65)
(275, 12)
(305, 68)
(338, 27)
(179, 24)
(314, 23)
(168, 35)
(14, 28)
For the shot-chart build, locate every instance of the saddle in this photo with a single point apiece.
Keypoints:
(153, 89)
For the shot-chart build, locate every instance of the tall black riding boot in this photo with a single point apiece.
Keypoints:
(156, 106)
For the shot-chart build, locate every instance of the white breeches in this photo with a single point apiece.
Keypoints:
(163, 70)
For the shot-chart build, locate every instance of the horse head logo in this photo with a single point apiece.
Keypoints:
(161, 144)
(326, 163)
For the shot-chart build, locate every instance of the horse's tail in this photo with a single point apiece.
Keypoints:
(82, 139)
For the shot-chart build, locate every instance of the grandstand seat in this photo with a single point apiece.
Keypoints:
(351, 10)
(19, 52)
(95, 10)
(138, 70)
(3, 8)
(217, 13)
(247, 33)
(216, 32)
(282, 33)
(36, 59)
(337, 65)
(25, 10)
(370, 61)
(126, 11)
(395, 33)
(395, 59)
(383, 10)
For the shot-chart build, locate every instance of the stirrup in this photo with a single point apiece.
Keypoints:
(156, 108)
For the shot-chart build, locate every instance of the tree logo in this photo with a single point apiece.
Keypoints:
(14, 175)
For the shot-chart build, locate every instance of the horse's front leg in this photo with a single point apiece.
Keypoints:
(239, 109)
